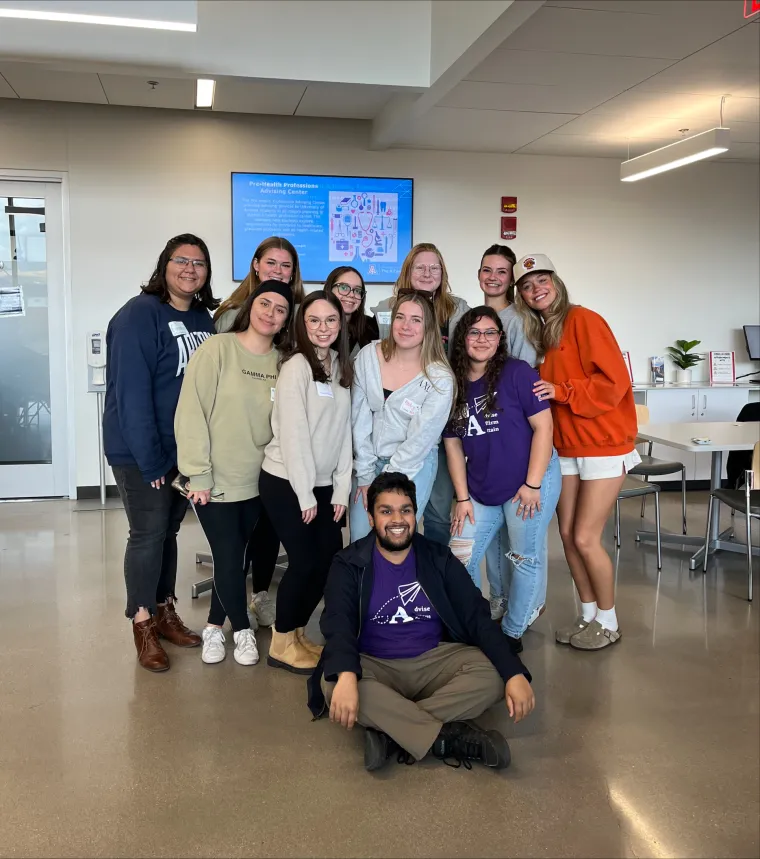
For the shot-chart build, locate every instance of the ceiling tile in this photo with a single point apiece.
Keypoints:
(137, 92)
(6, 91)
(344, 101)
(524, 97)
(480, 130)
(238, 95)
(638, 102)
(528, 67)
(36, 81)
(623, 33)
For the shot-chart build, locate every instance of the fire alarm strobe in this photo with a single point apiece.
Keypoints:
(509, 228)
(509, 205)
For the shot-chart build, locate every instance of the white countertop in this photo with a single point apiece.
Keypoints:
(648, 386)
(723, 435)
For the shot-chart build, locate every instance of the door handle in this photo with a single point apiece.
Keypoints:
(693, 401)
(704, 401)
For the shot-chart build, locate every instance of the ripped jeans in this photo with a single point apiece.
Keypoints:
(526, 560)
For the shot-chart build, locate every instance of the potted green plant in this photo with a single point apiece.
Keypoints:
(684, 359)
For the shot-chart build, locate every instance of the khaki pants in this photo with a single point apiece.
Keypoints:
(409, 699)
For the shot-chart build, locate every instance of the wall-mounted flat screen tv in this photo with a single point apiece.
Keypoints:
(331, 221)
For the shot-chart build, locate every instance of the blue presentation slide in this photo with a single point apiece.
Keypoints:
(331, 221)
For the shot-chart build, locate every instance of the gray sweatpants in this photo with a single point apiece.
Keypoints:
(409, 699)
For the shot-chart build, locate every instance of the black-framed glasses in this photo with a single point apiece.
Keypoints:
(346, 289)
(198, 264)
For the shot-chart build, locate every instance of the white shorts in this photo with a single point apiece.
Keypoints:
(599, 467)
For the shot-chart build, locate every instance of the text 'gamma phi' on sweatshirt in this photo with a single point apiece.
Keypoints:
(405, 427)
(149, 344)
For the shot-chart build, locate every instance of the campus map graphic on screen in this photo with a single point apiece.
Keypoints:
(357, 221)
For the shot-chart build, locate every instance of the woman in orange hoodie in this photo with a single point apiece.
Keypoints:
(585, 377)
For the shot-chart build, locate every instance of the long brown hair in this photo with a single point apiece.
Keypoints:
(460, 364)
(156, 284)
(357, 322)
(252, 280)
(304, 346)
(545, 332)
(443, 301)
(432, 345)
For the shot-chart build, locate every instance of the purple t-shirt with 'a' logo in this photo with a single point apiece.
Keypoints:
(400, 622)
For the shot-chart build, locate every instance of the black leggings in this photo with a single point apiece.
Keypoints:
(310, 548)
(228, 527)
(261, 552)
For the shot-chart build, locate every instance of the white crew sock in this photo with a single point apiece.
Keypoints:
(607, 618)
(588, 609)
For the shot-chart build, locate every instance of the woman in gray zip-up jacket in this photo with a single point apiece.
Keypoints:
(400, 402)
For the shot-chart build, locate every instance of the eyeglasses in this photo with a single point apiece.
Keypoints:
(183, 261)
(434, 270)
(314, 324)
(490, 334)
(347, 289)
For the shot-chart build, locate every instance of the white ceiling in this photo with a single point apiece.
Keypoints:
(578, 78)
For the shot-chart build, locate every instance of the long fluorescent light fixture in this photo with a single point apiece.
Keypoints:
(204, 94)
(685, 151)
(107, 20)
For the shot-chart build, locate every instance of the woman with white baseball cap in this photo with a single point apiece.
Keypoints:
(585, 378)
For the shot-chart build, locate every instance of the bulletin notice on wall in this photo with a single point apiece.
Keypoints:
(331, 220)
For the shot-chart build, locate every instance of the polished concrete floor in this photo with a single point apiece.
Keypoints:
(649, 748)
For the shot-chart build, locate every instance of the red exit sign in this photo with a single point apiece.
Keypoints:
(751, 7)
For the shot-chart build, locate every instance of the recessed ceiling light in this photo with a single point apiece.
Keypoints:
(107, 20)
(204, 94)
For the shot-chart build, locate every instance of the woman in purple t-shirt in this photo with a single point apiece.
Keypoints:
(503, 466)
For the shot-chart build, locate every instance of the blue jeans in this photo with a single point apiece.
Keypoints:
(423, 482)
(523, 578)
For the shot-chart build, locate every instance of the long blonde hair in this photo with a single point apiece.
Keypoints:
(443, 301)
(252, 280)
(545, 332)
(432, 345)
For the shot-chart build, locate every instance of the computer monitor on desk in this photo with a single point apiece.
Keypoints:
(752, 338)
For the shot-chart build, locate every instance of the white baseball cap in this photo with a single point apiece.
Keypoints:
(533, 262)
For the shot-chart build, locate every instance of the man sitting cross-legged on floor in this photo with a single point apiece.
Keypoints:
(411, 649)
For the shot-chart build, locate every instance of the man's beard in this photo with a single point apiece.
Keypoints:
(391, 546)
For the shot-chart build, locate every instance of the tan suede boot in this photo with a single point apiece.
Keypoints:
(307, 643)
(286, 651)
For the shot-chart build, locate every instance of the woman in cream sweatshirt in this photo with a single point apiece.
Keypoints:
(402, 395)
(222, 425)
(306, 475)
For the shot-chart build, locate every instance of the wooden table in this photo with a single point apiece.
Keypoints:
(724, 436)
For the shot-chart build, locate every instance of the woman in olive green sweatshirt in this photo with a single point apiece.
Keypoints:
(222, 425)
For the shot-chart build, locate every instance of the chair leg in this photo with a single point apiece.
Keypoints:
(643, 505)
(657, 528)
(683, 497)
(617, 522)
(707, 533)
(749, 556)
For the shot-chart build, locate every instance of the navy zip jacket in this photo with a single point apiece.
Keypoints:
(148, 345)
(465, 613)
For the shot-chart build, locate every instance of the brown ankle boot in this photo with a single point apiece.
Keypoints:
(150, 654)
(170, 627)
(307, 643)
(286, 651)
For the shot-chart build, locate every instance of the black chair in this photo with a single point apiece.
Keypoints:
(635, 489)
(740, 461)
(746, 501)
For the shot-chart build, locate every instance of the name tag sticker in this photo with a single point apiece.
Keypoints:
(409, 407)
(177, 328)
(324, 389)
(271, 397)
(384, 318)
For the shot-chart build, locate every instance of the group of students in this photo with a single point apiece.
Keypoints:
(282, 420)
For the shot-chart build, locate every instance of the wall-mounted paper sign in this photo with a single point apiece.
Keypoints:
(509, 228)
(627, 359)
(509, 205)
(722, 368)
(11, 301)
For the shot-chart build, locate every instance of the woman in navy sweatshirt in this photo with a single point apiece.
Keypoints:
(149, 341)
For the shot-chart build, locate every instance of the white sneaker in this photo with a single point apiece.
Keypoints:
(246, 652)
(498, 607)
(213, 645)
(263, 608)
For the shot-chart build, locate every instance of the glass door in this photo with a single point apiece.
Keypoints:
(33, 449)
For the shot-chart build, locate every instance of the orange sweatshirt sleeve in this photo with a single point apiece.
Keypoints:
(606, 380)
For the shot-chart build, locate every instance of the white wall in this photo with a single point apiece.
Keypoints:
(672, 257)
